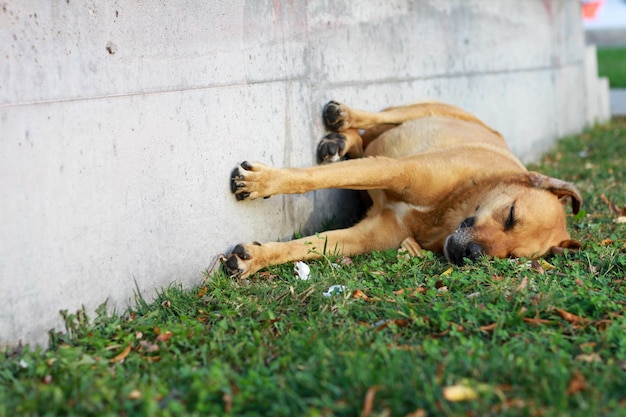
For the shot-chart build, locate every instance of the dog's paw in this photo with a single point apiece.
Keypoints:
(250, 181)
(336, 116)
(240, 263)
(331, 148)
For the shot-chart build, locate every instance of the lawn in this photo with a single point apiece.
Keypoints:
(612, 64)
(405, 337)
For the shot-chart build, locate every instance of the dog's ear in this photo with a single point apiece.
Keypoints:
(558, 187)
(570, 244)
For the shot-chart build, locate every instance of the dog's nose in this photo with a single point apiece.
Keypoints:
(469, 222)
(457, 250)
(472, 251)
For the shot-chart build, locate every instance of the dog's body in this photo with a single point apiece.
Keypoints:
(436, 175)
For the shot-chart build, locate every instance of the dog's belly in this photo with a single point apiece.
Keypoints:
(431, 134)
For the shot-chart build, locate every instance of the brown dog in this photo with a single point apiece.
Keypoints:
(437, 176)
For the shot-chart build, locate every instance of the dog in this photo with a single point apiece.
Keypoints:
(439, 179)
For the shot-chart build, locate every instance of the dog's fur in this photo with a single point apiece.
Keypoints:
(437, 176)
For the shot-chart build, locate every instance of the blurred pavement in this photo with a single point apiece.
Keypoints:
(618, 102)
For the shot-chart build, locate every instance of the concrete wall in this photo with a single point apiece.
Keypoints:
(120, 122)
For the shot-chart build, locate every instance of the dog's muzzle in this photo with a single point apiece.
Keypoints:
(459, 246)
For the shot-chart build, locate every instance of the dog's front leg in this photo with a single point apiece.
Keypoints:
(379, 231)
(255, 180)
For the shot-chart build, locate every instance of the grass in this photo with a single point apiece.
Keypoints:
(408, 337)
(612, 64)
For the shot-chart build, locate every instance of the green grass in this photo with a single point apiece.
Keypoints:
(612, 64)
(519, 340)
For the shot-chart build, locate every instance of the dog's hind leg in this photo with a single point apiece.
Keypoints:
(339, 117)
(376, 232)
(353, 130)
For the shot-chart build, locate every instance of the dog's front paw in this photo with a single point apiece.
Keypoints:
(251, 180)
(336, 116)
(241, 261)
(331, 148)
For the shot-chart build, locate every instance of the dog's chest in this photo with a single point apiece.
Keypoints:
(424, 223)
(410, 216)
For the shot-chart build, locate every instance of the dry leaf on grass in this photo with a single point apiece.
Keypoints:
(577, 384)
(121, 356)
(345, 261)
(541, 265)
(382, 324)
(446, 272)
(509, 404)
(360, 295)
(368, 402)
(589, 357)
(228, 402)
(619, 213)
(404, 347)
(164, 337)
(412, 292)
(148, 347)
(459, 392)
(537, 321)
(134, 394)
(613, 208)
(522, 285)
(571, 318)
(489, 328)
(265, 275)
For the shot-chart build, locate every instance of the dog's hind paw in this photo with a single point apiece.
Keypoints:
(331, 148)
(336, 116)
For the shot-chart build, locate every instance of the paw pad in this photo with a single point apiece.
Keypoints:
(335, 118)
(331, 148)
(232, 264)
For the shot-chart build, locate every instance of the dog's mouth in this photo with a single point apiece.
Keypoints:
(458, 248)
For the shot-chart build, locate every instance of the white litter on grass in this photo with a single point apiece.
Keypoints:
(302, 271)
(334, 290)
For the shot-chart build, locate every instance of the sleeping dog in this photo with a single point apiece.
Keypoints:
(439, 179)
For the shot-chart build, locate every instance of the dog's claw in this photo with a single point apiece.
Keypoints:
(242, 196)
(236, 178)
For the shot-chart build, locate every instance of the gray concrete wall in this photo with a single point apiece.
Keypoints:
(120, 122)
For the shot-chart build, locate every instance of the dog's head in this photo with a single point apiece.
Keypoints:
(523, 217)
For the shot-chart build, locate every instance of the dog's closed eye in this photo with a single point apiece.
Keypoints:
(511, 221)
